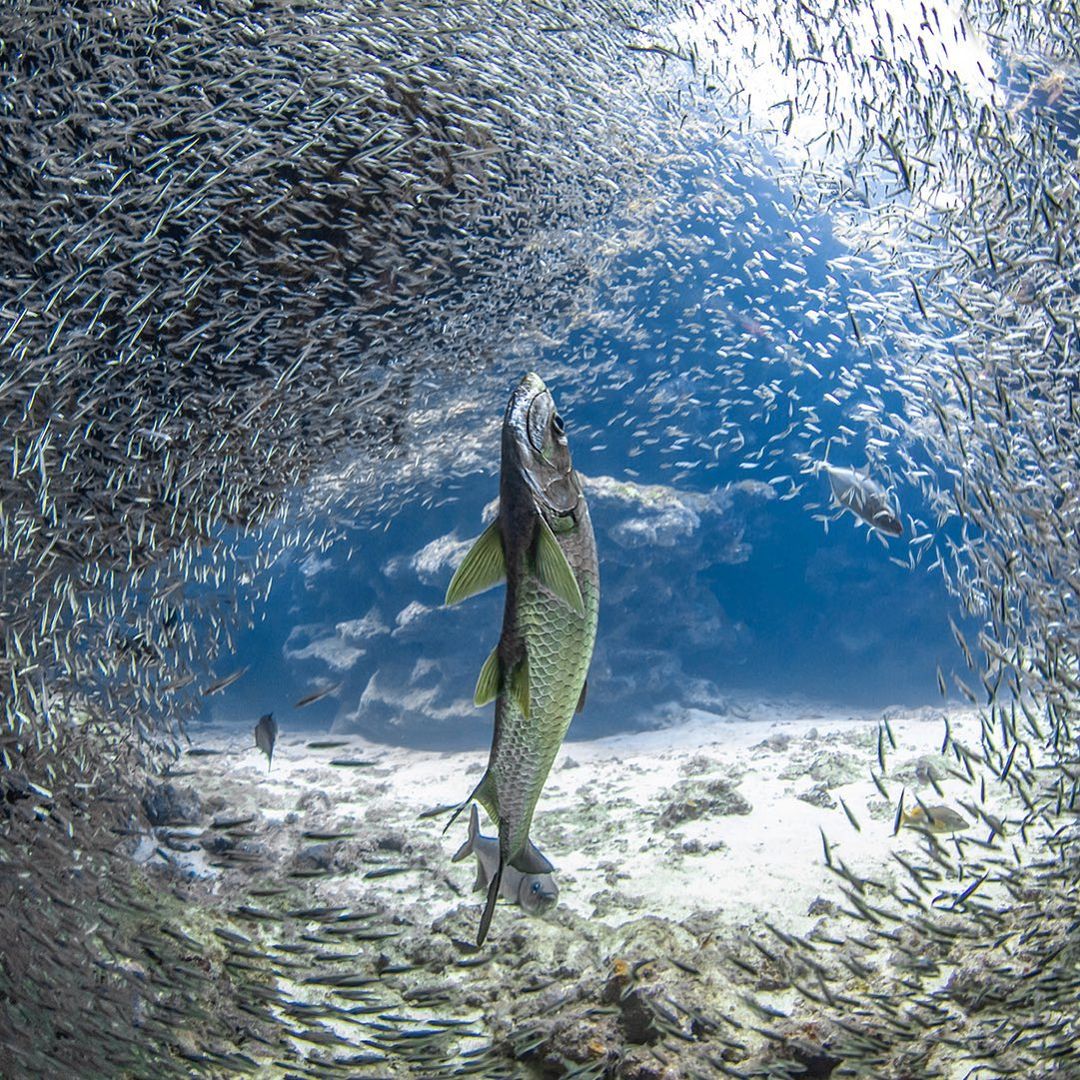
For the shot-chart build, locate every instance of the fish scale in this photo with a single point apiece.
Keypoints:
(553, 632)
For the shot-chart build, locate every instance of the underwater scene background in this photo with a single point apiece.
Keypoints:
(271, 272)
(711, 579)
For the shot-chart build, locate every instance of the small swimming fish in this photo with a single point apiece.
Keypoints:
(536, 893)
(542, 544)
(265, 736)
(936, 819)
(316, 695)
(864, 497)
(220, 684)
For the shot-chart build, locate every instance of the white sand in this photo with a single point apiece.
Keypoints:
(599, 820)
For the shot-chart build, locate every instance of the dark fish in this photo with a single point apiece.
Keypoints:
(266, 731)
(387, 871)
(231, 822)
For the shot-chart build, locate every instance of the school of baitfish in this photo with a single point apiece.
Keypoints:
(248, 244)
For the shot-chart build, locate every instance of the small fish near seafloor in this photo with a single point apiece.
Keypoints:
(864, 497)
(542, 543)
(535, 893)
(265, 736)
(936, 819)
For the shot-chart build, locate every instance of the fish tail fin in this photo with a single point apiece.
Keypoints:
(469, 846)
(489, 907)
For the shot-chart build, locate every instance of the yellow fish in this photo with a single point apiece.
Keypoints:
(936, 819)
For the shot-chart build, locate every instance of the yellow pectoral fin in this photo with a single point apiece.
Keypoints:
(519, 686)
(487, 685)
(554, 571)
(483, 567)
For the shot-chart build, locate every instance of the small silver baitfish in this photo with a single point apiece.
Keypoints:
(536, 893)
(865, 498)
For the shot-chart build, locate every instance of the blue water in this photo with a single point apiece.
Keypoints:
(757, 599)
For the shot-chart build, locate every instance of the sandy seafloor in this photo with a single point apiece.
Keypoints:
(681, 847)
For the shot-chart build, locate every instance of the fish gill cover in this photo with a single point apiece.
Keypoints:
(266, 266)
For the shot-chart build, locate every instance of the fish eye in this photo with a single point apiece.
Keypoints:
(558, 425)
(536, 886)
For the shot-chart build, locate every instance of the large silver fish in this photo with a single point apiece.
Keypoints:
(535, 893)
(542, 543)
(864, 497)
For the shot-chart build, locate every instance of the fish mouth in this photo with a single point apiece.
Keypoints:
(889, 525)
(529, 388)
(541, 905)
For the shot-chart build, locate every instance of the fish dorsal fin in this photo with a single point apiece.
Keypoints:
(482, 568)
(519, 686)
(554, 571)
(489, 907)
(532, 861)
(581, 696)
(487, 684)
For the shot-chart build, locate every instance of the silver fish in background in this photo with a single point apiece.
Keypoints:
(542, 543)
(534, 893)
(317, 695)
(864, 497)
